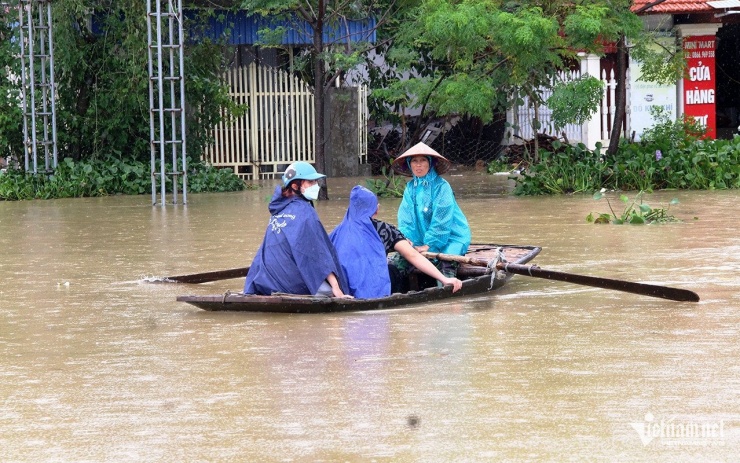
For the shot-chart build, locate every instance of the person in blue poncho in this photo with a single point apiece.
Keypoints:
(362, 243)
(296, 256)
(428, 215)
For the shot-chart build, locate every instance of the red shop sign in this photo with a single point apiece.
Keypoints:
(699, 86)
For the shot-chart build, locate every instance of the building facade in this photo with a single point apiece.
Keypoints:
(709, 32)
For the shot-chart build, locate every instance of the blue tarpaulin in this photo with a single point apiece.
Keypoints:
(243, 29)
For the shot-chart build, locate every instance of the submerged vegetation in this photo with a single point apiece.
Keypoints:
(671, 155)
(389, 185)
(102, 112)
(107, 177)
(635, 211)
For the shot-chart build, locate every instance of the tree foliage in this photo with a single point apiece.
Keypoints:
(478, 56)
(101, 62)
(572, 102)
(11, 128)
(332, 51)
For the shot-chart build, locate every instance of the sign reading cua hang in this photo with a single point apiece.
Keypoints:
(699, 84)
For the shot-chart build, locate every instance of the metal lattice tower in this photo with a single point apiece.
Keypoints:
(37, 84)
(166, 97)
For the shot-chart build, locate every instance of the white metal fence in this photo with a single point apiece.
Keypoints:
(276, 130)
(522, 117)
(529, 111)
(608, 106)
(278, 127)
(363, 115)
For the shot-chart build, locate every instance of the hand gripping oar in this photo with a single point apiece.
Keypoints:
(205, 277)
(665, 292)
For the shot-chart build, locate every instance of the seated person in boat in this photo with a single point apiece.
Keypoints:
(362, 243)
(296, 255)
(428, 215)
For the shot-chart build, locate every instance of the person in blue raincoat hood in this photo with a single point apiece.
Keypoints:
(360, 249)
(362, 243)
(296, 256)
(428, 215)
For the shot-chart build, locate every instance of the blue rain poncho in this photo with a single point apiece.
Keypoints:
(360, 249)
(296, 255)
(429, 215)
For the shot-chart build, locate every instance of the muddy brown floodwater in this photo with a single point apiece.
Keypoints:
(98, 365)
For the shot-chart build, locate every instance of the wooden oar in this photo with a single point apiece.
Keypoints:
(665, 292)
(210, 276)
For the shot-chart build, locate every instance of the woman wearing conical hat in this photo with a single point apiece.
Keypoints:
(428, 215)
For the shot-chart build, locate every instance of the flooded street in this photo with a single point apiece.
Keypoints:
(97, 364)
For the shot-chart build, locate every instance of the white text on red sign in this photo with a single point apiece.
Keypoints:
(700, 73)
(705, 44)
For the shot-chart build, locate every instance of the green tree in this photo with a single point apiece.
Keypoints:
(103, 81)
(665, 66)
(11, 128)
(328, 59)
(100, 52)
(481, 54)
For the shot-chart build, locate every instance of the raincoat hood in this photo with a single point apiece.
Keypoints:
(429, 215)
(359, 247)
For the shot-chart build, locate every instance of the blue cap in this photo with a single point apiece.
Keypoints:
(300, 170)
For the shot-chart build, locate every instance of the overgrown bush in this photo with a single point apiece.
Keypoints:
(208, 179)
(571, 169)
(672, 154)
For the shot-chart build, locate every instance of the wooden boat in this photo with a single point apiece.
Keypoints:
(477, 278)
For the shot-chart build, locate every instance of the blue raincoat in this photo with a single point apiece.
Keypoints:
(360, 249)
(296, 255)
(429, 215)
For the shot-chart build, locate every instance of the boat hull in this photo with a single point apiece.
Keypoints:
(476, 280)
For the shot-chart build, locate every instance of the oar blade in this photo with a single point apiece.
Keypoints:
(664, 292)
(206, 277)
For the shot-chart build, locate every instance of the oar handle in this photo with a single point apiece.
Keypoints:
(456, 258)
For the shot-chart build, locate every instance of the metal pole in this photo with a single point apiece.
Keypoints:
(32, 80)
(44, 84)
(52, 84)
(182, 107)
(173, 106)
(24, 79)
(152, 150)
(160, 104)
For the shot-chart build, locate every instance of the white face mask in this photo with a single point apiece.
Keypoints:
(312, 193)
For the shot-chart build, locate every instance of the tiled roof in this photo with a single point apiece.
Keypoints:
(674, 6)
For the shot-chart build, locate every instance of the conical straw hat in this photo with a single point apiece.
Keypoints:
(441, 164)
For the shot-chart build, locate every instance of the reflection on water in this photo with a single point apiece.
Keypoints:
(97, 365)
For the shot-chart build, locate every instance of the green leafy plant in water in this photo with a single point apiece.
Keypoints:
(389, 186)
(76, 179)
(499, 165)
(569, 169)
(670, 155)
(635, 212)
(206, 178)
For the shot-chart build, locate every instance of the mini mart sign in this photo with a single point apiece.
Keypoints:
(700, 82)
